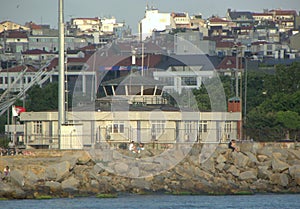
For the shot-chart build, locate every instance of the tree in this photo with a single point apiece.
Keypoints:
(42, 99)
(290, 121)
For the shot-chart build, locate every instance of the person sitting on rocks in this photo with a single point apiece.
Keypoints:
(140, 147)
(232, 146)
(132, 146)
(6, 173)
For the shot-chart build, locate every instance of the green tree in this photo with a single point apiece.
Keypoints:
(290, 121)
(42, 99)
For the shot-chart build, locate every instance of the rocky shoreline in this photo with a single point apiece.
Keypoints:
(257, 168)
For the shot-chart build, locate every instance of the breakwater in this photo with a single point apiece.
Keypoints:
(257, 168)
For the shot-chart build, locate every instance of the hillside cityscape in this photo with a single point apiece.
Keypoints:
(190, 112)
(244, 48)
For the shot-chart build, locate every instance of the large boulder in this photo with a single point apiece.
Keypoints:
(53, 185)
(264, 172)
(240, 159)
(280, 179)
(17, 178)
(70, 185)
(248, 175)
(278, 165)
(62, 170)
(234, 171)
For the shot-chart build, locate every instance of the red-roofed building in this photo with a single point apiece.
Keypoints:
(225, 48)
(14, 41)
(182, 20)
(285, 19)
(34, 28)
(86, 24)
(229, 65)
(9, 25)
(37, 56)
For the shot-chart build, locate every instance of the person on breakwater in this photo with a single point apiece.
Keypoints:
(6, 173)
(131, 146)
(232, 146)
(140, 147)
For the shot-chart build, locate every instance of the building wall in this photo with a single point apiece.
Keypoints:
(152, 21)
(145, 126)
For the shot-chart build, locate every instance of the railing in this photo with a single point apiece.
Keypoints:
(143, 135)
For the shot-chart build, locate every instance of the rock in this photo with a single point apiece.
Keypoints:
(234, 171)
(121, 168)
(17, 178)
(248, 175)
(240, 160)
(31, 178)
(62, 170)
(221, 159)
(50, 173)
(278, 165)
(70, 185)
(267, 151)
(83, 158)
(6, 189)
(98, 168)
(53, 185)
(263, 172)
(280, 154)
(245, 147)
(295, 153)
(208, 165)
(297, 179)
(141, 184)
(252, 159)
(220, 166)
(294, 170)
(280, 179)
(259, 186)
(262, 158)
(134, 172)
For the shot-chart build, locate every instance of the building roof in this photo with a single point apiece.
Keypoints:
(284, 12)
(225, 44)
(20, 68)
(14, 34)
(133, 79)
(186, 60)
(33, 26)
(35, 52)
(234, 15)
(217, 20)
(229, 62)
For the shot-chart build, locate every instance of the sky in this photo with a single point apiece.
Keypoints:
(130, 11)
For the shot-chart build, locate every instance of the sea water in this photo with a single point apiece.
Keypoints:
(259, 201)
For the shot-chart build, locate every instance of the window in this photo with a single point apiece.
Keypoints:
(203, 126)
(167, 80)
(37, 127)
(189, 81)
(116, 127)
(157, 127)
(188, 127)
(227, 127)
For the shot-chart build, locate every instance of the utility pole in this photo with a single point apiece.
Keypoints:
(61, 80)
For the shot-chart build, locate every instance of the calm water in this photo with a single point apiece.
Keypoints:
(269, 201)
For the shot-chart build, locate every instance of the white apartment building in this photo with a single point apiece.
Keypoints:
(154, 21)
(86, 24)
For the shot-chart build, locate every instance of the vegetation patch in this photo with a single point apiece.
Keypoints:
(43, 197)
(243, 193)
(106, 195)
